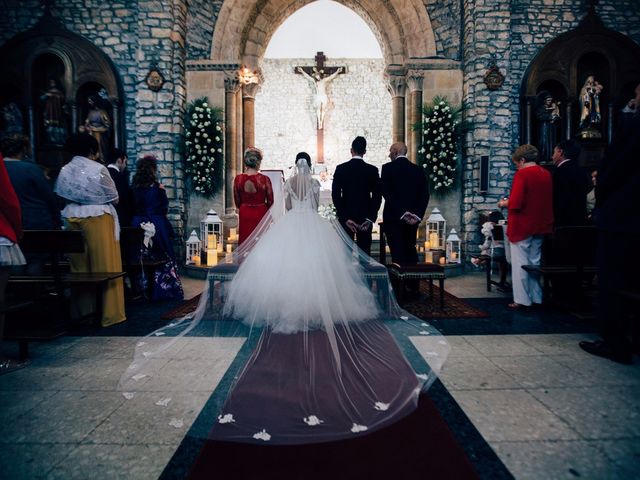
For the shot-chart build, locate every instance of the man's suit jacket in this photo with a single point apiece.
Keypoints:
(571, 184)
(356, 191)
(404, 188)
(124, 208)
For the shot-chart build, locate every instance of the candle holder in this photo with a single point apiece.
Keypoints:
(435, 230)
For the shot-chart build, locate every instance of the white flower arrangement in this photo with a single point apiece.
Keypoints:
(203, 146)
(440, 141)
(327, 211)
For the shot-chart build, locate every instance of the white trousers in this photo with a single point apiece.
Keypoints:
(526, 286)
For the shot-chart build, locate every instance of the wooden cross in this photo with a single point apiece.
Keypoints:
(320, 75)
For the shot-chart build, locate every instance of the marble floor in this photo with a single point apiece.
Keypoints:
(547, 409)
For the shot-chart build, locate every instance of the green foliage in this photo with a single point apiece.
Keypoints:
(442, 132)
(204, 146)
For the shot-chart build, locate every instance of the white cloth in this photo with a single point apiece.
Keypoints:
(318, 283)
(526, 286)
(277, 186)
(89, 187)
(10, 253)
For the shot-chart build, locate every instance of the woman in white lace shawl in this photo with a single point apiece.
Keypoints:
(91, 194)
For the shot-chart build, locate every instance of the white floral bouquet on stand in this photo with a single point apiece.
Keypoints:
(203, 146)
(442, 131)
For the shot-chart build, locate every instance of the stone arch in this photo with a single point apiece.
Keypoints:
(244, 28)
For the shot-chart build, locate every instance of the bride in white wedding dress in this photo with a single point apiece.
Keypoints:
(314, 308)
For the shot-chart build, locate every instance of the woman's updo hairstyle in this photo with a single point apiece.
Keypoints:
(252, 157)
(304, 155)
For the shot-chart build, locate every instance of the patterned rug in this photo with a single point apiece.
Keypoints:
(424, 307)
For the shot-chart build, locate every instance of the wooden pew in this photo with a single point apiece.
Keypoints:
(54, 243)
(571, 257)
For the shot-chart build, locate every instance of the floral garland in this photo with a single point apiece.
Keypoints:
(204, 145)
(440, 142)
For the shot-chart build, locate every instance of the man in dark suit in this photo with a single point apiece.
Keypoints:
(405, 192)
(356, 195)
(117, 169)
(571, 184)
(618, 225)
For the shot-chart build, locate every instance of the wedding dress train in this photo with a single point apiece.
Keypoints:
(324, 366)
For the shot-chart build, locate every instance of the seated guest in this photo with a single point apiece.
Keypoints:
(571, 184)
(37, 200)
(87, 186)
(39, 205)
(150, 204)
(118, 170)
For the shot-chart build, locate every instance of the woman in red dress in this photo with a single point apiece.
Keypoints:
(252, 193)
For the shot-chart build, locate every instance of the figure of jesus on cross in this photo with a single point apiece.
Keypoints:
(320, 76)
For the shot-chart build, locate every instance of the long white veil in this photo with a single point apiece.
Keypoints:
(322, 329)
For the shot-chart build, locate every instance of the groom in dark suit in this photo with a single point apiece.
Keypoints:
(571, 184)
(356, 195)
(404, 187)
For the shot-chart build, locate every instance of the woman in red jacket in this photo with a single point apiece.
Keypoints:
(10, 253)
(530, 207)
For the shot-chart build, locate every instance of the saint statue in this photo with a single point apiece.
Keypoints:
(548, 115)
(321, 98)
(52, 114)
(590, 116)
(98, 125)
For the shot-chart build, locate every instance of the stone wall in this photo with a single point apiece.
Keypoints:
(201, 18)
(512, 33)
(285, 116)
(445, 21)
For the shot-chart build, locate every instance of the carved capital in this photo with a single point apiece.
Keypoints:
(251, 81)
(250, 90)
(231, 81)
(397, 85)
(415, 79)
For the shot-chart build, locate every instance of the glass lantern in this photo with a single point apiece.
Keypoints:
(211, 224)
(436, 230)
(453, 247)
(193, 249)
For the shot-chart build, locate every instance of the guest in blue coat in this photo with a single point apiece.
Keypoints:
(150, 204)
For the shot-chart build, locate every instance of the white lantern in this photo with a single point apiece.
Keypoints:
(193, 249)
(436, 230)
(211, 224)
(453, 247)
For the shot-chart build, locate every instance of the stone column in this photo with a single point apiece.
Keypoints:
(239, 134)
(231, 88)
(252, 82)
(414, 83)
(397, 87)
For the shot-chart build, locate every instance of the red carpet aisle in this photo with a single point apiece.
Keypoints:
(420, 446)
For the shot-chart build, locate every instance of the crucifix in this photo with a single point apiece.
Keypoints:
(320, 76)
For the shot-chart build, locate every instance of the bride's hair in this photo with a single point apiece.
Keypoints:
(304, 155)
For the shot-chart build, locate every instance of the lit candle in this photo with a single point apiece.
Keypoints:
(442, 260)
(428, 257)
(212, 257)
(195, 259)
(211, 241)
(427, 245)
(433, 240)
(454, 256)
(421, 249)
(228, 248)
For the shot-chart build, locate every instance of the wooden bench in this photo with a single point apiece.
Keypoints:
(569, 258)
(420, 271)
(55, 243)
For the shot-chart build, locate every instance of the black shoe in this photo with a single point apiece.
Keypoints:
(601, 349)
